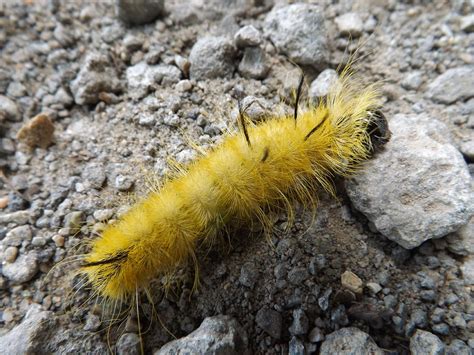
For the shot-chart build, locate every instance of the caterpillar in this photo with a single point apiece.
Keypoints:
(265, 164)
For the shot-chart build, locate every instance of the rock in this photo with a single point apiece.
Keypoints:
(270, 321)
(350, 341)
(254, 63)
(211, 57)
(467, 270)
(297, 276)
(248, 36)
(123, 182)
(94, 173)
(467, 23)
(350, 24)
(300, 323)
(418, 188)
(19, 217)
(96, 75)
(423, 342)
(315, 335)
(462, 242)
(219, 335)
(351, 281)
(322, 84)
(296, 347)
(458, 347)
(139, 12)
(254, 108)
(10, 254)
(453, 85)
(413, 80)
(467, 149)
(142, 77)
(8, 109)
(374, 287)
(17, 236)
(73, 221)
(26, 337)
(128, 344)
(298, 30)
(248, 275)
(22, 270)
(323, 301)
(38, 132)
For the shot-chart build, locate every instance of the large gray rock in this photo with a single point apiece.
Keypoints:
(453, 85)
(212, 57)
(219, 335)
(419, 187)
(23, 339)
(141, 77)
(138, 12)
(349, 341)
(423, 342)
(96, 75)
(298, 30)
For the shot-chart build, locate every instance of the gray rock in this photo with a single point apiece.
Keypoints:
(441, 328)
(254, 108)
(453, 85)
(24, 338)
(22, 270)
(322, 84)
(349, 341)
(248, 275)
(323, 301)
(316, 335)
(123, 182)
(423, 342)
(142, 77)
(94, 173)
(96, 75)
(248, 36)
(296, 347)
(413, 80)
(467, 149)
(458, 347)
(467, 23)
(254, 63)
(17, 236)
(211, 57)
(128, 344)
(350, 24)
(467, 270)
(19, 217)
(138, 12)
(219, 335)
(8, 109)
(298, 30)
(418, 188)
(270, 321)
(297, 276)
(462, 242)
(300, 323)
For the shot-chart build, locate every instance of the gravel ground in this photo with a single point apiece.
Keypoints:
(95, 98)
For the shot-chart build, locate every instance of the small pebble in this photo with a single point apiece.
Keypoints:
(38, 132)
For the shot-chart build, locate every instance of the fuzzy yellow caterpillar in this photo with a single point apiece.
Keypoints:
(267, 164)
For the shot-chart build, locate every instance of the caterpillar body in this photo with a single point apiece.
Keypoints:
(266, 164)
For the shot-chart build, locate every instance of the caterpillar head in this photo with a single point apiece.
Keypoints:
(378, 130)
